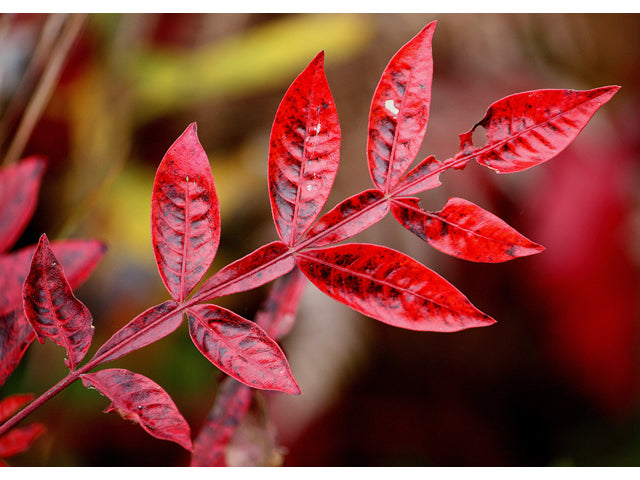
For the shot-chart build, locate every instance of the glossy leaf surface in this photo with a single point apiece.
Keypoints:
(79, 258)
(400, 111)
(19, 186)
(348, 218)
(52, 309)
(391, 287)
(135, 397)
(231, 404)
(185, 215)
(148, 327)
(423, 176)
(251, 271)
(240, 348)
(529, 128)
(304, 152)
(20, 439)
(464, 230)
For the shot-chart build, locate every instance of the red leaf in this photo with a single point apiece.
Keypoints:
(240, 348)
(135, 397)
(51, 308)
(277, 314)
(259, 267)
(464, 230)
(391, 287)
(148, 327)
(529, 128)
(349, 218)
(79, 257)
(19, 187)
(10, 405)
(304, 152)
(400, 111)
(423, 176)
(185, 215)
(231, 404)
(20, 439)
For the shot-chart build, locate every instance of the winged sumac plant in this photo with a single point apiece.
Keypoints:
(523, 130)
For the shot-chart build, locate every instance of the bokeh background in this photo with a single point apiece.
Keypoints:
(554, 382)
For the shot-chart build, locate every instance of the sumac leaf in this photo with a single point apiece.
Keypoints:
(464, 230)
(304, 152)
(400, 111)
(148, 327)
(185, 215)
(349, 218)
(137, 398)
(529, 128)
(423, 176)
(240, 348)
(79, 258)
(391, 287)
(251, 271)
(19, 187)
(231, 405)
(51, 308)
(20, 439)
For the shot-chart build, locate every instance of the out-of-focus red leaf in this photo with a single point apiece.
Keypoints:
(420, 178)
(137, 398)
(20, 439)
(529, 128)
(464, 230)
(52, 309)
(19, 187)
(304, 152)
(391, 287)
(185, 215)
(349, 218)
(10, 405)
(79, 257)
(231, 405)
(277, 314)
(148, 327)
(251, 271)
(400, 111)
(240, 348)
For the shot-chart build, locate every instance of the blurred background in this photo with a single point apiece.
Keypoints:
(553, 383)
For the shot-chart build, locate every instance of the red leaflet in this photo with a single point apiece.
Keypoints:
(135, 397)
(464, 230)
(10, 405)
(277, 314)
(79, 257)
(526, 129)
(400, 111)
(304, 152)
(259, 267)
(20, 439)
(240, 348)
(51, 308)
(231, 405)
(19, 187)
(391, 287)
(185, 215)
(422, 177)
(148, 327)
(349, 217)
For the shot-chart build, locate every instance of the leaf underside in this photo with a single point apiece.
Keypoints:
(137, 398)
(52, 309)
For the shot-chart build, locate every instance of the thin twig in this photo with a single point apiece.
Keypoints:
(45, 88)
